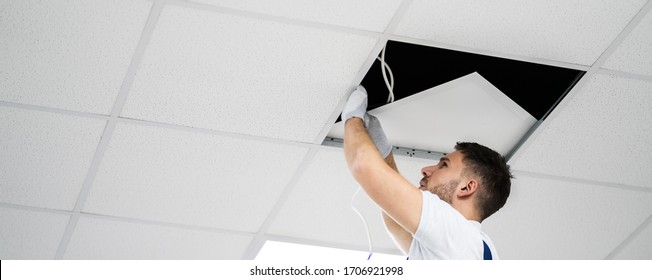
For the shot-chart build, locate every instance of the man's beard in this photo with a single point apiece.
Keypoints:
(445, 191)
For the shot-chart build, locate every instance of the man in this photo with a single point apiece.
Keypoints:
(441, 218)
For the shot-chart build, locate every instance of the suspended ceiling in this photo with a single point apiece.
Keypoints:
(174, 129)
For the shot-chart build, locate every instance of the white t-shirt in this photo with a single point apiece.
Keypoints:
(444, 234)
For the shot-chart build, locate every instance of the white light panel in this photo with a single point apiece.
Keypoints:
(466, 109)
(603, 133)
(45, 157)
(68, 54)
(174, 176)
(371, 15)
(101, 239)
(575, 31)
(26, 235)
(236, 74)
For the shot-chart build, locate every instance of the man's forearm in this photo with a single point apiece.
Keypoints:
(374, 173)
(401, 237)
(358, 146)
(389, 222)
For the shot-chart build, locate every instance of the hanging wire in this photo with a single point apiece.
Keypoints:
(386, 70)
(389, 82)
(364, 222)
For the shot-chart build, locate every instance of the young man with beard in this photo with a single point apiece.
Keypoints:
(441, 218)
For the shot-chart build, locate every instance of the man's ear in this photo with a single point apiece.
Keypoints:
(468, 189)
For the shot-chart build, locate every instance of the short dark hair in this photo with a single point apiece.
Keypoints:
(493, 172)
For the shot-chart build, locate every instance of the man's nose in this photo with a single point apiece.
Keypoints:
(427, 171)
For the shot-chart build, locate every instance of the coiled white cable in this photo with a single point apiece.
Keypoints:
(389, 83)
(390, 98)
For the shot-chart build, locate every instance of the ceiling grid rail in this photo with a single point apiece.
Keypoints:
(259, 240)
(259, 237)
(596, 68)
(588, 75)
(139, 52)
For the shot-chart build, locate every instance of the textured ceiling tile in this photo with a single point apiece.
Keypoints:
(603, 133)
(576, 31)
(634, 55)
(236, 74)
(546, 219)
(30, 235)
(640, 248)
(187, 178)
(98, 239)
(68, 54)
(319, 207)
(371, 15)
(44, 157)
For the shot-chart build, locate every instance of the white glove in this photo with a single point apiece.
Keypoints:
(356, 106)
(377, 134)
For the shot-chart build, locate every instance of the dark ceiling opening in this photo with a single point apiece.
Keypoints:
(535, 87)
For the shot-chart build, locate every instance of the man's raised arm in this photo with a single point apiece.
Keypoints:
(399, 200)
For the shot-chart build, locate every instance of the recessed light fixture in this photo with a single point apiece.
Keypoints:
(443, 96)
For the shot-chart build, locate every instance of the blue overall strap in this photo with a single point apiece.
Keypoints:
(487, 252)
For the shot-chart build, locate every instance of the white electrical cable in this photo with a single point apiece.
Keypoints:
(390, 86)
(389, 83)
(364, 222)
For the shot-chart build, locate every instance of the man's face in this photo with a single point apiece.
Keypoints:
(442, 179)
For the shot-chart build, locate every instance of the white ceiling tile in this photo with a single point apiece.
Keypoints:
(98, 239)
(640, 248)
(189, 178)
(68, 54)
(45, 157)
(576, 31)
(319, 207)
(237, 74)
(550, 219)
(482, 114)
(30, 235)
(371, 15)
(603, 133)
(634, 54)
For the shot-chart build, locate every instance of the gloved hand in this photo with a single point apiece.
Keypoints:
(377, 134)
(356, 106)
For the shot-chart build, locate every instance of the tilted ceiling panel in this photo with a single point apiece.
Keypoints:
(465, 109)
(371, 15)
(551, 219)
(319, 207)
(188, 178)
(30, 235)
(44, 157)
(98, 239)
(576, 31)
(634, 55)
(68, 54)
(218, 71)
(603, 133)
